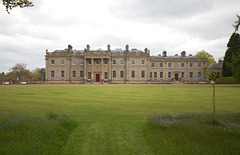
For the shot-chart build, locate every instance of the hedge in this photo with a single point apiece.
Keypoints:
(227, 80)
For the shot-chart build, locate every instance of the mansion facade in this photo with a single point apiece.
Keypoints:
(121, 66)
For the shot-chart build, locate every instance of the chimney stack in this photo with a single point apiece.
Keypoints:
(164, 54)
(183, 54)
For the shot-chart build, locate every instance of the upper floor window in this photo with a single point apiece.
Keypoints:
(52, 62)
(153, 65)
(89, 61)
(191, 64)
(97, 62)
(133, 62)
(74, 62)
(199, 64)
(161, 65)
(143, 62)
(62, 62)
(121, 62)
(81, 62)
(182, 65)
(114, 62)
(105, 61)
(169, 64)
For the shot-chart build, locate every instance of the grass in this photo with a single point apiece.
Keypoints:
(112, 120)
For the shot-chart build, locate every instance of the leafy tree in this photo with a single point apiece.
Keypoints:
(10, 4)
(205, 55)
(19, 73)
(42, 73)
(236, 66)
(2, 77)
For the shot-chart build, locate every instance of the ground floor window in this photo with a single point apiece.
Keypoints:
(52, 74)
(169, 75)
(133, 74)
(199, 75)
(105, 75)
(150, 74)
(74, 74)
(182, 75)
(81, 74)
(191, 75)
(161, 75)
(89, 75)
(114, 74)
(62, 74)
(155, 75)
(143, 74)
(121, 74)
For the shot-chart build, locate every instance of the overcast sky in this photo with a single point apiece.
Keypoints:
(171, 25)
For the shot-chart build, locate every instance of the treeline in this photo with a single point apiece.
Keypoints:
(19, 73)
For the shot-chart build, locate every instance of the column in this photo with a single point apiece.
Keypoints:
(85, 69)
(110, 69)
(92, 69)
(102, 74)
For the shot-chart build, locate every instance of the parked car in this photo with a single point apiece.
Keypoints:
(24, 83)
(6, 83)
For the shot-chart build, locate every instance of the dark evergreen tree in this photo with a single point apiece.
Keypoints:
(233, 49)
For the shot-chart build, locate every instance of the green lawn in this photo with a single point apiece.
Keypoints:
(113, 120)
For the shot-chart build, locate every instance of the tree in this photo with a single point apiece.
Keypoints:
(203, 54)
(10, 4)
(42, 72)
(236, 66)
(233, 49)
(19, 73)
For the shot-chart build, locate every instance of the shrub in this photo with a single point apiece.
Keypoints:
(227, 80)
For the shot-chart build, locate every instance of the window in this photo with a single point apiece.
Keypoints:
(121, 62)
(81, 74)
(52, 62)
(153, 65)
(169, 75)
(114, 74)
(133, 62)
(105, 61)
(199, 65)
(182, 75)
(143, 62)
(161, 75)
(191, 75)
(155, 75)
(105, 75)
(161, 65)
(74, 74)
(191, 64)
(143, 74)
(62, 62)
(199, 75)
(81, 62)
(114, 62)
(169, 64)
(74, 62)
(89, 75)
(90, 62)
(150, 74)
(182, 65)
(121, 74)
(62, 74)
(52, 74)
(97, 62)
(133, 74)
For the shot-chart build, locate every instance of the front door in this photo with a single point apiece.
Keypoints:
(176, 77)
(97, 77)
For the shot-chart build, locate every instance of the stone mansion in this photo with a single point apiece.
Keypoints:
(121, 66)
